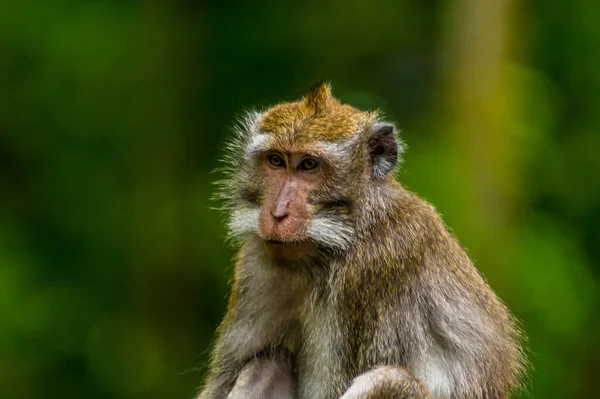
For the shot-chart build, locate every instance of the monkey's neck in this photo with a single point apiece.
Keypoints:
(377, 205)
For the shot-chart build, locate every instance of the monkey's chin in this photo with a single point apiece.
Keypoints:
(283, 251)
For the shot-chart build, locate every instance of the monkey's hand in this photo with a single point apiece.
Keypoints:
(387, 382)
(264, 378)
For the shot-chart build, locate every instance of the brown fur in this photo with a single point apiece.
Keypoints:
(318, 116)
(411, 253)
(387, 304)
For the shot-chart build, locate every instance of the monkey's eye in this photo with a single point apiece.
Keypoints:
(276, 160)
(309, 164)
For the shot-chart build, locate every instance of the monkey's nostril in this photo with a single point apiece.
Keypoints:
(279, 217)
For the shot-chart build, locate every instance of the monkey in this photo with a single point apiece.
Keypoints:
(347, 285)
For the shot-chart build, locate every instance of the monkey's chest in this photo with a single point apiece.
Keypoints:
(316, 340)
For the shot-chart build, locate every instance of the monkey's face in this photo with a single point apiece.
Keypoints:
(289, 181)
(296, 197)
(299, 172)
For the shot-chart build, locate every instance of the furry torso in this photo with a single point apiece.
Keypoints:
(388, 301)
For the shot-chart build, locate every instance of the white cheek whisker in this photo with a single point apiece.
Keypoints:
(243, 221)
(331, 232)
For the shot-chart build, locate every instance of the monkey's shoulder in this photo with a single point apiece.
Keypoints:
(409, 228)
(411, 250)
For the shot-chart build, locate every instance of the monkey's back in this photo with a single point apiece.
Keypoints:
(410, 296)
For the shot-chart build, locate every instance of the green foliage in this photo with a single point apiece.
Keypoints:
(113, 266)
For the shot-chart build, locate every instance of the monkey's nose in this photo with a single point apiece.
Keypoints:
(281, 210)
(279, 216)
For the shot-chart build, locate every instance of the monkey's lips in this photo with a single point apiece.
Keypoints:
(284, 242)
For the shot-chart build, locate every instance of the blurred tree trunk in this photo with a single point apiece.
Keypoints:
(477, 49)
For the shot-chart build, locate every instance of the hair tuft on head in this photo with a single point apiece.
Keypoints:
(319, 98)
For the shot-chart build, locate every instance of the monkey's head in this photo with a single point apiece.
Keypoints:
(298, 172)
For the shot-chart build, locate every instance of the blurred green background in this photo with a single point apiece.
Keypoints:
(113, 266)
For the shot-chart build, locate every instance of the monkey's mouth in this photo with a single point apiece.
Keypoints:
(285, 242)
(287, 250)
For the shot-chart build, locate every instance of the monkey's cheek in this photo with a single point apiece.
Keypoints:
(266, 227)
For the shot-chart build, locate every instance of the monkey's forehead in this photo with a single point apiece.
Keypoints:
(300, 123)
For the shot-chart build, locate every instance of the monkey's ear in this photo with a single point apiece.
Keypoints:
(384, 149)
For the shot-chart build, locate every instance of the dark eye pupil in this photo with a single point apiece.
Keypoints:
(309, 164)
(275, 160)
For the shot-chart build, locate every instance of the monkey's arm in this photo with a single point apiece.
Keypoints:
(242, 368)
(265, 377)
(387, 382)
(249, 359)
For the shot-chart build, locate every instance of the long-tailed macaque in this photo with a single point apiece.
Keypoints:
(346, 285)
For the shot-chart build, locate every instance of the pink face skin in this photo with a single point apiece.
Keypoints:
(284, 215)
